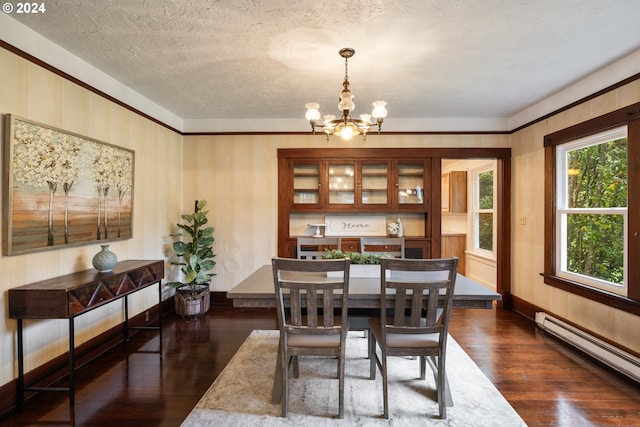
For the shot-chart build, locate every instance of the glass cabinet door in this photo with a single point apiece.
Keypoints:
(411, 183)
(306, 183)
(341, 183)
(375, 184)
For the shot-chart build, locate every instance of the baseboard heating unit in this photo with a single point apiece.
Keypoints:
(606, 353)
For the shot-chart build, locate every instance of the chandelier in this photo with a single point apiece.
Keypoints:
(346, 127)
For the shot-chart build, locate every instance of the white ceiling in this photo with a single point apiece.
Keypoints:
(265, 59)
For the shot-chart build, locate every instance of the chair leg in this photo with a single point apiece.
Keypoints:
(442, 383)
(285, 386)
(423, 367)
(442, 404)
(276, 391)
(341, 364)
(385, 392)
(372, 356)
(296, 367)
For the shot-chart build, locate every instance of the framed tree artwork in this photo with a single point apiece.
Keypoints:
(62, 189)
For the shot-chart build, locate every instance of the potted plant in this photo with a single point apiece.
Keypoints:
(196, 253)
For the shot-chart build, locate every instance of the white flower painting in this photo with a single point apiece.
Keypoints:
(63, 188)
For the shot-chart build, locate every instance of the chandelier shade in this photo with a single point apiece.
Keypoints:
(346, 127)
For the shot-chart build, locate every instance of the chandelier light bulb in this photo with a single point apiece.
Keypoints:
(313, 114)
(347, 132)
(329, 117)
(379, 112)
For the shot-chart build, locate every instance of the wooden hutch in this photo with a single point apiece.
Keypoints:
(360, 181)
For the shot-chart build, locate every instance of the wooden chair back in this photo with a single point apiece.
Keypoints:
(418, 287)
(303, 287)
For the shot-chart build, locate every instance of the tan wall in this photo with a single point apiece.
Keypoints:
(528, 240)
(30, 91)
(238, 176)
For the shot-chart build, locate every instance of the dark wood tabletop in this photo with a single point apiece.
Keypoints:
(257, 290)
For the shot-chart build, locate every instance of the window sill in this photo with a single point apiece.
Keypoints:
(608, 298)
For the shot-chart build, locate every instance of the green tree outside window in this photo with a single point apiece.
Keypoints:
(485, 202)
(597, 178)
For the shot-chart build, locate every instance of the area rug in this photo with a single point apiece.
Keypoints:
(241, 395)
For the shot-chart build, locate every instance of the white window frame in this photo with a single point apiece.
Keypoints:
(562, 210)
(475, 211)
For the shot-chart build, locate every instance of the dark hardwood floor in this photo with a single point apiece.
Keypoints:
(547, 383)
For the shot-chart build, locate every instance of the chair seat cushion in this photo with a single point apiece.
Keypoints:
(309, 340)
(412, 340)
(403, 340)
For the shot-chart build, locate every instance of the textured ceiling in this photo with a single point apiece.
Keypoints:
(243, 59)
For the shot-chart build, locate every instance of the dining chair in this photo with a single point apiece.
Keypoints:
(393, 246)
(418, 296)
(308, 324)
(316, 247)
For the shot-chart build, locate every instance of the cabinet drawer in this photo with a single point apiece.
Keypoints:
(350, 245)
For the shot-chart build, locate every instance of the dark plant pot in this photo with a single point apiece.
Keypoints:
(190, 302)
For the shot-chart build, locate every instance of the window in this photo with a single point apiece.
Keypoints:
(592, 219)
(484, 218)
(591, 213)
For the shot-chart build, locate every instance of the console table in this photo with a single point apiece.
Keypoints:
(69, 296)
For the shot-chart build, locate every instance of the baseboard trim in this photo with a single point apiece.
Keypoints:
(523, 307)
(529, 310)
(219, 298)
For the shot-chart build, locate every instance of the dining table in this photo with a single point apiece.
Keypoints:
(258, 290)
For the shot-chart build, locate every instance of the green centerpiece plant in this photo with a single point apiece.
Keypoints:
(356, 257)
(196, 253)
(362, 264)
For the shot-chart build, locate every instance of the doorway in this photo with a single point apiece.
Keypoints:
(469, 225)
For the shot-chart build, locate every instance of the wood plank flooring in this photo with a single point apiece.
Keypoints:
(547, 383)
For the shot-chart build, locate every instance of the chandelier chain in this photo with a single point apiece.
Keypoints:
(346, 69)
